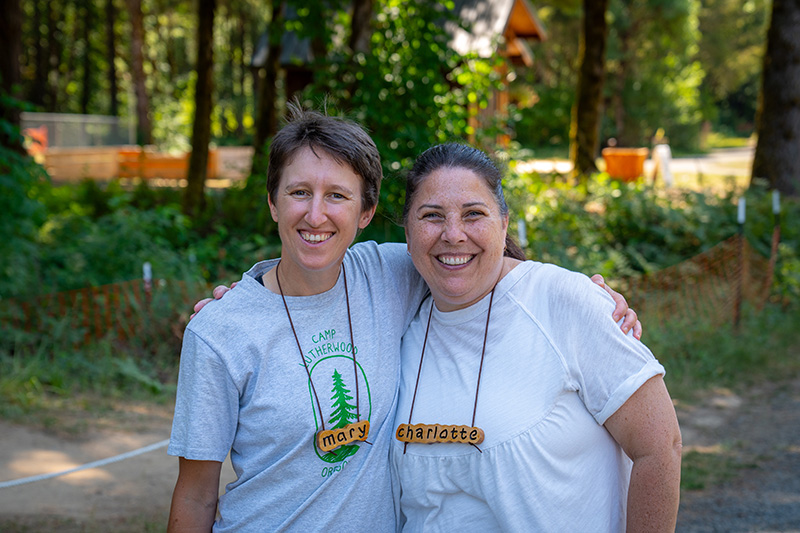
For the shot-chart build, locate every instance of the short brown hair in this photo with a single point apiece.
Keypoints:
(342, 139)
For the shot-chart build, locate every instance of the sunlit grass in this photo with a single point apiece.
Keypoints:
(700, 355)
(703, 469)
(719, 140)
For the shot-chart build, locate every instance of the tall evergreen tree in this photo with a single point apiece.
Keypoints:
(588, 104)
(87, 25)
(194, 195)
(11, 46)
(111, 55)
(266, 105)
(777, 156)
(144, 131)
(361, 25)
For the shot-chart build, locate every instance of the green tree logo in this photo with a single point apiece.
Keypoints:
(343, 413)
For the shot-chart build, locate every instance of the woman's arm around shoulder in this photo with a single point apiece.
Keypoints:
(194, 500)
(646, 427)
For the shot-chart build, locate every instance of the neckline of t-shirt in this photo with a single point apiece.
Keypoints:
(480, 307)
(316, 301)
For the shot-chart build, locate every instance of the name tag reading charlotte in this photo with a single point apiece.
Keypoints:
(433, 433)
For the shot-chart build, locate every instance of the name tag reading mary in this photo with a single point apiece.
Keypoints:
(331, 439)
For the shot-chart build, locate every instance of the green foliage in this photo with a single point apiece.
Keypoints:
(136, 360)
(546, 122)
(545, 95)
(731, 52)
(700, 355)
(759, 227)
(75, 243)
(683, 62)
(616, 229)
(410, 91)
(31, 380)
(21, 211)
(653, 78)
(670, 65)
(36, 369)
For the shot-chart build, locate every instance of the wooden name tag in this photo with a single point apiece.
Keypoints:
(333, 438)
(431, 433)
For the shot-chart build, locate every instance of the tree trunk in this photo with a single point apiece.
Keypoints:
(587, 113)
(53, 57)
(230, 78)
(267, 119)
(11, 45)
(39, 87)
(620, 76)
(360, 36)
(361, 26)
(87, 10)
(194, 196)
(777, 156)
(242, 66)
(111, 55)
(72, 58)
(144, 134)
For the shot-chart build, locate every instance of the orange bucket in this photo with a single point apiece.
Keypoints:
(626, 164)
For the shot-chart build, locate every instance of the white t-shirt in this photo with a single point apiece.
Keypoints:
(556, 367)
(243, 389)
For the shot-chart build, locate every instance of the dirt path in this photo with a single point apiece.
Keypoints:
(748, 443)
(132, 495)
(751, 445)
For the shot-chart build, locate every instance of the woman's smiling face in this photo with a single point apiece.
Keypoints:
(456, 236)
(317, 206)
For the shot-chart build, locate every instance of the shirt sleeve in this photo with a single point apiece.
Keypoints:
(206, 406)
(604, 365)
(400, 278)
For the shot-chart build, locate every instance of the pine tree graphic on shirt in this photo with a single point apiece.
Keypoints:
(343, 412)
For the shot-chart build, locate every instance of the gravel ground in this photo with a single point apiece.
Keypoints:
(757, 433)
(760, 434)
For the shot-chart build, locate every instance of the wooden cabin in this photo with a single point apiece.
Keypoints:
(496, 27)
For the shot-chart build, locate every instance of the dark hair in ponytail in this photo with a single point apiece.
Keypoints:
(455, 155)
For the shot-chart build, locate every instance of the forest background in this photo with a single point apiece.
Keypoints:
(694, 69)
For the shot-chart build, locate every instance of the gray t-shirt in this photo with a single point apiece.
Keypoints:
(243, 389)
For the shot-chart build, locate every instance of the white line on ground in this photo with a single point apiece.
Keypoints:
(94, 464)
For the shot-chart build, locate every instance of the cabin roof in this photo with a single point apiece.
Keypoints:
(513, 20)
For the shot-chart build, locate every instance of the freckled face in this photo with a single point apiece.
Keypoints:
(456, 236)
(317, 206)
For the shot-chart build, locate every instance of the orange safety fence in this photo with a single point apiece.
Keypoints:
(710, 286)
(119, 309)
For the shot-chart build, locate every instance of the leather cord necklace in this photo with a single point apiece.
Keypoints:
(433, 433)
(328, 440)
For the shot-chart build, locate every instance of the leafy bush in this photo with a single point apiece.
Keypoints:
(615, 228)
(21, 215)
